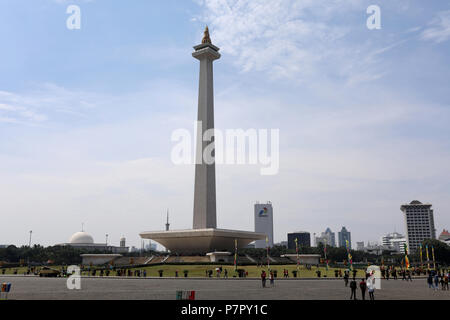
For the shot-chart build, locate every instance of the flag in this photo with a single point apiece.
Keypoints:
(428, 257)
(421, 258)
(267, 245)
(434, 260)
(350, 266)
(406, 257)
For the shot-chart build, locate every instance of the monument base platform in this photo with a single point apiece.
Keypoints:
(202, 240)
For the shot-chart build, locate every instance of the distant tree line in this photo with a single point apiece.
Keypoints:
(38, 254)
(339, 254)
(65, 255)
(334, 254)
(58, 255)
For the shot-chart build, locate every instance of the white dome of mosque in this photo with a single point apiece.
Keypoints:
(81, 237)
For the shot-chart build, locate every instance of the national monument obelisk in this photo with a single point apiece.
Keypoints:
(205, 173)
(204, 237)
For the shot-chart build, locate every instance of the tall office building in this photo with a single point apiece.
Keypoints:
(419, 220)
(394, 241)
(327, 237)
(303, 239)
(343, 236)
(360, 245)
(264, 223)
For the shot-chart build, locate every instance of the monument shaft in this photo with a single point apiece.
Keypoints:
(204, 237)
(205, 172)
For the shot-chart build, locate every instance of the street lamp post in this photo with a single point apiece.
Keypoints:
(29, 245)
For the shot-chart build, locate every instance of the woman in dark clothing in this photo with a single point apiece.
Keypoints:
(363, 287)
(353, 289)
(263, 278)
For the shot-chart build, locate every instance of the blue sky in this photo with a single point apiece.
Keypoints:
(86, 115)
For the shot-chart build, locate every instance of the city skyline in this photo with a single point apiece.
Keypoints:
(314, 241)
(86, 115)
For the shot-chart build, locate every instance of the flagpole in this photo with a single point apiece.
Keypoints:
(350, 265)
(235, 255)
(268, 260)
(421, 258)
(434, 260)
(326, 260)
(296, 249)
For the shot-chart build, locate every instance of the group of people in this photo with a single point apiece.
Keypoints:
(119, 273)
(271, 278)
(364, 286)
(347, 275)
(436, 278)
(367, 284)
(392, 272)
(219, 271)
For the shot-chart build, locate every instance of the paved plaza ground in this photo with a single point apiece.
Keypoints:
(222, 289)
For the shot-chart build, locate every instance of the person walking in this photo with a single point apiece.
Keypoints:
(446, 281)
(371, 288)
(225, 274)
(408, 275)
(436, 281)
(263, 278)
(272, 279)
(353, 289)
(363, 287)
(346, 279)
(430, 281)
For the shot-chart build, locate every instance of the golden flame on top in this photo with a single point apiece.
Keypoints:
(206, 38)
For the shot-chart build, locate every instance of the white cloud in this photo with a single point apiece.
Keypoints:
(300, 40)
(18, 114)
(45, 103)
(439, 30)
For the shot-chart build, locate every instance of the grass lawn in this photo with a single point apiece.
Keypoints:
(253, 271)
(200, 270)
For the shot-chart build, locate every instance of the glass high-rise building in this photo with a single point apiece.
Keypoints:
(328, 237)
(343, 236)
(303, 239)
